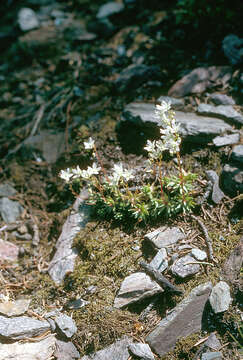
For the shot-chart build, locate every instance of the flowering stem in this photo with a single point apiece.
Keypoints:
(101, 164)
(161, 183)
(181, 175)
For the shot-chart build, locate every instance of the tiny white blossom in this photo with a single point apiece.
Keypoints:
(89, 144)
(150, 146)
(91, 170)
(127, 174)
(66, 174)
(163, 107)
(77, 172)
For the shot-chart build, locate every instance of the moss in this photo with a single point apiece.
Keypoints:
(184, 348)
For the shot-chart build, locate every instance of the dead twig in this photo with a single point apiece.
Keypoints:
(207, 238)
(160, 279)
(39, 116)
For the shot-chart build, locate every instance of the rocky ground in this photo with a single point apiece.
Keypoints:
(77, 287)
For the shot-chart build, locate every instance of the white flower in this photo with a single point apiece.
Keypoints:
(163, 107)
(77, 172)
(150, 147)
(66, 174)
(127, 175)
(118, 173)
(89, 144)
(91, 170)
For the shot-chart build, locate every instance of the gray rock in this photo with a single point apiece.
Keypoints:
(184, 320)
(26, 236)
(213, 342)
(64, 259)
(134, 288)
(217, 193)
(200, 79)
(14, 308)
(160, 262)
(232, 267)
(199, 254)
(138, 123)
(226, 140)
(176, 104)
(38, 350)
(10, 210)
(231, 179)
(8, 251)
(183, 267)
(226, 112)
(109, 9)
(164, 236)
(52, 145)
(220, 298)
(116, 351)
(66, 325)
(212, 356)
(76, 304)
(221, 99)
(18, 328)
(134, 76)
(27, 19)
(141, 350)
(7, 190)
(233, 49)
(66, 351)
(237, 154)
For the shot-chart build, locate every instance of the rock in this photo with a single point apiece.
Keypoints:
(6, 190)
(200, 79)
(226, 140)
(233, 49)
(237, 154)
(221, 99)
(109, 9)
(134, 76)
(231, 179)
(38, 350)
(66, 325)
(66, 351)
(164, 236)
(10, 210)
(8, 251)
(64, 258)
(184, 320)
(116, 351)
(176, 104)
(183, 267)
(138, 124)
(14, 308)
(18, 328)
(50, 144)
(27, 19)
(220, 298)
(76, 304)
(217, 193)
(26, 236)
(134, 288)
(232, 266)
(213, 342)
(212, 356)
(160, 262)
(141, 350)
(225, 112)
(199, 254)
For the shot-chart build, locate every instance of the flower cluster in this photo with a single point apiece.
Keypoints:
(170, 138)
(109, 191)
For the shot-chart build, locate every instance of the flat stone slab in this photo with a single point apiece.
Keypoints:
(185, 267)
(193, 128)
(221, 99)
(141, 350)
(198, 254)
(232, 266)
(8, 251)
(164, 236)
(134, 288)
(64, 259)
(160, 262)
(220, 298)
(14, 308)
(217, 194)
(184, 320)
(212, 355)
(226, 112)
(38, 350)
(18, 328)
(7, 190)
(66, 325)
(65, 350)
(116, 351)
(226, 140)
